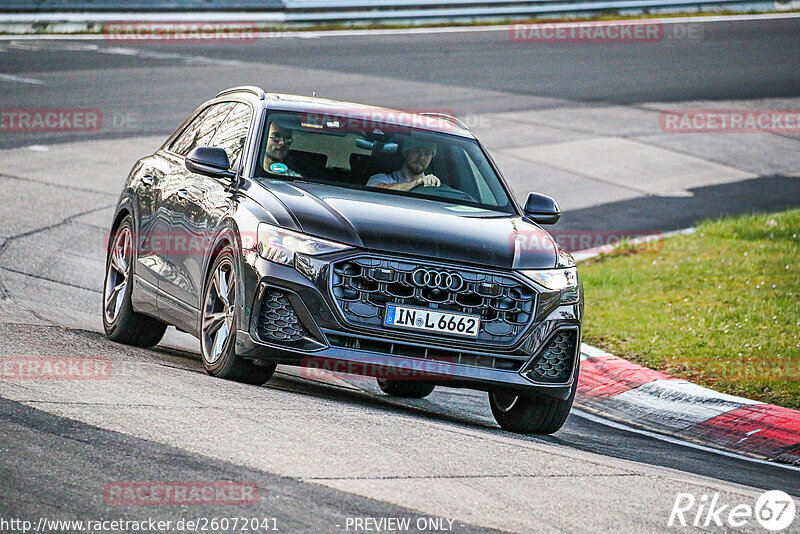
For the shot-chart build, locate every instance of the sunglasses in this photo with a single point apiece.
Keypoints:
(278, 138)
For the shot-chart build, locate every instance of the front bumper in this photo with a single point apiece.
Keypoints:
(330, 343)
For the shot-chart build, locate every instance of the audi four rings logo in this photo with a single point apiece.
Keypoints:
(437, 279)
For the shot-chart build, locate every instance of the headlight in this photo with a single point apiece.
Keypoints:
(563, 280)
(279, 245)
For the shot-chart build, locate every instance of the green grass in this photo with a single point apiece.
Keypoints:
(720, 307)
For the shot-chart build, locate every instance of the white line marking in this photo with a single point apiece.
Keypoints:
(20, 79)
(340, 33)
(619, 426)
(119, 51)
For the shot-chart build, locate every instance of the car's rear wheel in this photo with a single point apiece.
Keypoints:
(120, 322)
(412, 389)
(218, 327)
(531, 415)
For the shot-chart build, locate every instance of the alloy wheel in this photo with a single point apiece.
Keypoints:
(218, 312)
(117, 274)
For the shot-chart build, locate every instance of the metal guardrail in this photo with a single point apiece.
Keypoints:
(66, 6)
(408, 4)
(520, 10)
(304, 12)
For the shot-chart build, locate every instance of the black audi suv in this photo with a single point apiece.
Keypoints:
(284, 229)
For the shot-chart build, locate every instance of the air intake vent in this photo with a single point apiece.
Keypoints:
(554, 364)
(277, 321)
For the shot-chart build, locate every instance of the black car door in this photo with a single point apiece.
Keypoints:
(200, 203)
(148, 177)
(183, 232)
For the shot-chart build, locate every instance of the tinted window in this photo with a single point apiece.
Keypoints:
(201, 129)
(232, 134)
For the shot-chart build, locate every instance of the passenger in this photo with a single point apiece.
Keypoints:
(279, 140)
(417, 152)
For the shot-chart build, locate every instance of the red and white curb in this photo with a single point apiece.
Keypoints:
(644, 398)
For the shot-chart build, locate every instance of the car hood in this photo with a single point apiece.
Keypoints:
(418, 227)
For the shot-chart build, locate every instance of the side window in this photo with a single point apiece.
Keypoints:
(201, 129)
(232, 134)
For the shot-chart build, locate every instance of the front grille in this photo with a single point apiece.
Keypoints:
(492, 361)
(554, 363)
(363, 286)
(277, 320)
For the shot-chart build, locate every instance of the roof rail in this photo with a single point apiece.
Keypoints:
(447, 118)
(244, 89)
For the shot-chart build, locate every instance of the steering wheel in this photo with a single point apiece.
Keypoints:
(444, 191)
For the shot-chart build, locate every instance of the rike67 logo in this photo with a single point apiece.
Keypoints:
(774, 510)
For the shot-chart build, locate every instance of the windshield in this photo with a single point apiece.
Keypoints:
(380, 157)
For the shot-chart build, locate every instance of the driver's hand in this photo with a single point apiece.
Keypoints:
(429, 180)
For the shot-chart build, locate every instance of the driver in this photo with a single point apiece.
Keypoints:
(279, 139)
(417, 152)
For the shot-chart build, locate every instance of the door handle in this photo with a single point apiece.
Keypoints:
(148, 179)
(182, 193)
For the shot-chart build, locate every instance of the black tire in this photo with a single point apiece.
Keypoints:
(531, 415)
(120, 322)
(410, 389)
(226, 364)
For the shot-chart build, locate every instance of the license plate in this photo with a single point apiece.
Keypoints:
(445, 322)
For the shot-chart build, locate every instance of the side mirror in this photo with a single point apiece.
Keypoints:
(210, 161)
(542, 209)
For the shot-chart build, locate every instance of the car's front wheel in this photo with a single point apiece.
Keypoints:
(121, 323)
(218, 327)
(411, 389)
(529, 415)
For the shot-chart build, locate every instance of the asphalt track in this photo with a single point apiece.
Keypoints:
(320, 452)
